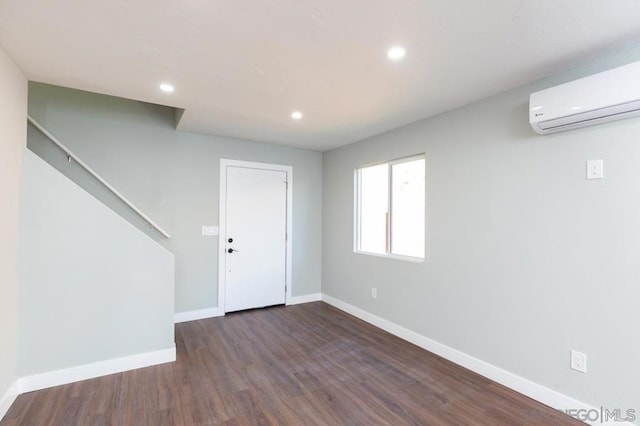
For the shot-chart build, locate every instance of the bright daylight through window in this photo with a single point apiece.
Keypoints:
(390, 206)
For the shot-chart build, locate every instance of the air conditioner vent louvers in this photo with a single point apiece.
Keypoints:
(607, 96)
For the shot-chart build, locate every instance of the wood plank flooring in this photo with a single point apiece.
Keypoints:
(297, 365)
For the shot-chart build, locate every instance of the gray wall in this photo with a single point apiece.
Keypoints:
(92, 286)
(13, 107)
(526, 259)
(173, 177)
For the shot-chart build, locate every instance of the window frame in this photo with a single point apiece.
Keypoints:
(389, 221)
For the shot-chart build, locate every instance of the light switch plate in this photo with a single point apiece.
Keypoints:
(209, 231)
(595, 169)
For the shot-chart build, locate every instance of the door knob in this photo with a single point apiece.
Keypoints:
(231, 250)
(230, 240)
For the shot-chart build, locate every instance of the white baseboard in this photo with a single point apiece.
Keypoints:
(216, 312)
(96, 369)
(305, 298)
(8, 398)
(197, 315)
(519, 384)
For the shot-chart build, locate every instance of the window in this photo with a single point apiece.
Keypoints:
(390, 208)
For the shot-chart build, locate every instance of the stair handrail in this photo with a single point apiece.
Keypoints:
(71, 155)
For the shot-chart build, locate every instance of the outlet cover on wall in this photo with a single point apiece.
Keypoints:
(374, 293)
(595, 169)
(579, 361)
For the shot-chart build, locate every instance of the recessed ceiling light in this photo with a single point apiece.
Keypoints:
(166, 87)
(296, 115)
(396, 53)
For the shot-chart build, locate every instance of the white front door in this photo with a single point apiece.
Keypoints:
(255, 238)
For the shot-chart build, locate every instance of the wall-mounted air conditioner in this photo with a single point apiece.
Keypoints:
(602, 97)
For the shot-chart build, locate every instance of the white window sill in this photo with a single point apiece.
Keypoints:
(392, 256)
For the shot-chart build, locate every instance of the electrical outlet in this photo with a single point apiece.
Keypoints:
(374, 293)
(595, 169)
(579, 361)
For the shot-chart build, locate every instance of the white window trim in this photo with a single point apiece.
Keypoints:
(357, 208)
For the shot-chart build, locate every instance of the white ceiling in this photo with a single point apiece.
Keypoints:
(240, 67)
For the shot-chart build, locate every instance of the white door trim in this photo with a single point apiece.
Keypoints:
(224, 163)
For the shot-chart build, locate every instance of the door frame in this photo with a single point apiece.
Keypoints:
(222, 204)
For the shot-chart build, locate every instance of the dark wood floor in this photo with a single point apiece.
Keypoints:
(304, 364)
